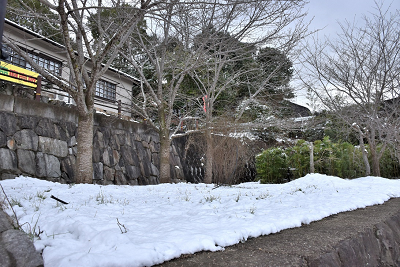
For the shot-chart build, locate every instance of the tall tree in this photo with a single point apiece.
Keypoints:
(270, 20)
(88, 60)
(35, 16)
(201, 44)
(356, 77)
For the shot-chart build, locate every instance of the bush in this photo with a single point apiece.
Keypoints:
(340, 159)
(271, 165)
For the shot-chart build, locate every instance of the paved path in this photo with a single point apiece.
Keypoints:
(364, 237)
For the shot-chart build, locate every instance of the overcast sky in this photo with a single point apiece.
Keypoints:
(327, 14)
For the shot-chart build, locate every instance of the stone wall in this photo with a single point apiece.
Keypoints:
(39, 140)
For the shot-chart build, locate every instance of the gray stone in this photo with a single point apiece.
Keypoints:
(26, 161)
(3, 139)
(11, 144)
(110, 157)
(26, 139)
(53, 146)
(5, 223)
(67, 167)
(106, 135)
(120, 178)
(98, 140)
(97, 154)
(49, 128)
(21, 249)
(154, 147)
(8, 123)
(46, 128)
(154, 170)
(153, 180)
(129, 155)
(7, 176)
(4, 257)
(122, 138)
(74, 151)
(132, 172)
(47, 166)
(68, 127)
(72, 141)
(98, 171)
(114, 142)
(109, 174)
(142, 152)
(8, 160)
(28, 122)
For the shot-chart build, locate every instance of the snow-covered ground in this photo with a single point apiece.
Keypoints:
(146, 225)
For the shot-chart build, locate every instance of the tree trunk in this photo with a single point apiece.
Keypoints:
(84, 160)
(208, 173)
(165, 168)
(376, 171)
(165, 144)
(364, 154)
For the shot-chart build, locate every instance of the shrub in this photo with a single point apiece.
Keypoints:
(340, 159)
(271, 165)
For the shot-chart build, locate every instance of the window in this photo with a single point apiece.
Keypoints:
(46, 62)
(105, 90)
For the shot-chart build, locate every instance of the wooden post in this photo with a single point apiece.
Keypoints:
(38, 88)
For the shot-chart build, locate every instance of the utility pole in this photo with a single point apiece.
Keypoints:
(3, 6)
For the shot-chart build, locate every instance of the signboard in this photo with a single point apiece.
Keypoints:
(18, 75)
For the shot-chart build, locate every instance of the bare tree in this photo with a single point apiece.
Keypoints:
(190, 44)
(88, 59)
(235, 39)
(356, 77)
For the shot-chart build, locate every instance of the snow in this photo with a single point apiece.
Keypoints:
(146, 225)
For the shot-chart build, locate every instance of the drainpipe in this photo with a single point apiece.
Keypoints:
(3, 5)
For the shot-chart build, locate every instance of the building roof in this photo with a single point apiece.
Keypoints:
(24, 29)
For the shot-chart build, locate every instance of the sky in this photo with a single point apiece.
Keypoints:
(327, 13)
(123, 226)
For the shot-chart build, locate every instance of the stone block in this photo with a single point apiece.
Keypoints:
(7, 176)
(120, 178)
(4, 257)
(67, 167)
(26, 139)
(28, 122)
(129, 156)
(110, 157)
(26, 161)
(8, 160)
(98, 140)
(11, 144)
(21, 249)
(47, 166)
(8, 123)
(53, 146)
(5, 223)
(3, 139)
(98, 173)
(72, 141)
(109, 174)
(132, 172)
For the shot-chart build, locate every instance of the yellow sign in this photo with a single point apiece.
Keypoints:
(18, 75)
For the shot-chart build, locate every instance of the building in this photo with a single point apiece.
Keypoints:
(114, 89)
